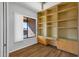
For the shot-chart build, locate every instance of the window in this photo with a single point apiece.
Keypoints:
(29, 27)
(25, 27)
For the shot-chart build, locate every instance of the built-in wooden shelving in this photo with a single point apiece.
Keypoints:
(60, 22)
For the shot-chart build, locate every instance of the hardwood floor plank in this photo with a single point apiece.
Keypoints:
(39, 50)
(22, 52)
(66, 54)
(53, 52)
(30, 51)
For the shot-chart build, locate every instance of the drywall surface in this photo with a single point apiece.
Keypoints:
(18, 28)
(23, 10)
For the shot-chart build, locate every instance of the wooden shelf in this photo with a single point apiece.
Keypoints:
(67, 27)
(51, 14)
(49, 32)
(67, 15)
(51, 10)
(49, 25)
(40, 23)
(67, 19)
(39, 20)
(51, 21)
(69, 33)
(68, 24)
(51, 41)
(51, 38)
(40, 28)
(41, 16)
(68, 39)
(66, 6)
(64, 10)
(42, 40)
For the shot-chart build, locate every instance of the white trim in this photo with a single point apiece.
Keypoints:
(1, 29)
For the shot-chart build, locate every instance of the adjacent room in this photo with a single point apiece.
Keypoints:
(42, 29)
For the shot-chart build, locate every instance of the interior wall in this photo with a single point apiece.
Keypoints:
(12, 9)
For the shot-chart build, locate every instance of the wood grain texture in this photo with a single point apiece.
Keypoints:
(78, 29)
(51, 41)
(42, 40)
(68, 45)
(39, 50)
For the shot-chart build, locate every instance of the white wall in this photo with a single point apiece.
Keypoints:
(12, 9)
(18, 27)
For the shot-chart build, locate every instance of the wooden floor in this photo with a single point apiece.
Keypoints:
(39, 50)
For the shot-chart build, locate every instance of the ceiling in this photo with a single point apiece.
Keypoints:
(37, 6)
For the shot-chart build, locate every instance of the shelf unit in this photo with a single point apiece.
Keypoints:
(41, 29)
(51, 10)
(51, 22)
(51, 25)
(61, 25)
(66, 6)
(67, 27)
(40, 23)
(41, 14)
(40, 26)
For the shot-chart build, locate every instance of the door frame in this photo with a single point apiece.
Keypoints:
(5, 50)
(1, 29)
